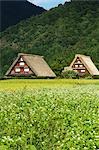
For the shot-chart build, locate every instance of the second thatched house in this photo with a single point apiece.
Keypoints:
(83, 65)
(30, 65)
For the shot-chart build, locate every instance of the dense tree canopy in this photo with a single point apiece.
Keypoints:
(13, 11)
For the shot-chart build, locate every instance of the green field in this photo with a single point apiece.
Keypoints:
(15, 84)
(49, 114)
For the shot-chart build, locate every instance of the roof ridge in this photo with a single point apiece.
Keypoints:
(24, 54)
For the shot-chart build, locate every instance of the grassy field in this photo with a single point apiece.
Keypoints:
(54, 83)
(49, 114)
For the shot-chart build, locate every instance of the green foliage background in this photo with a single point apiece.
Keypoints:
(57, 34)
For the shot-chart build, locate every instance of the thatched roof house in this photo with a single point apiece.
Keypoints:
(83, 65)
(30, 65)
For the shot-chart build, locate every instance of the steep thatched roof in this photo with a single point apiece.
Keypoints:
(86, 60)
(37, 64)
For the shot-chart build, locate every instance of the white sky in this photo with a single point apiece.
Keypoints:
(47, 4)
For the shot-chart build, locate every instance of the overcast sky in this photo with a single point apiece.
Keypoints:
(47, 4)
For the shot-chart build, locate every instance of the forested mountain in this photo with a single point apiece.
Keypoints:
(57, 34)
(13, 11)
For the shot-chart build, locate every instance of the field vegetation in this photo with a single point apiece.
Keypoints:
(49, 114)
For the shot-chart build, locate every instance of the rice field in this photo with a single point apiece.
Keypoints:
(49, 114)
(17, 84)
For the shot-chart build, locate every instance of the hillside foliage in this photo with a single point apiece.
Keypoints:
(13, 11)
(57, 34)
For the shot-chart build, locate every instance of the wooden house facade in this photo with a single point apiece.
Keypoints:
(30, 65)
(21, 68)
(83, 65)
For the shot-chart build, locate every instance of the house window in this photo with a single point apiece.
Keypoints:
(21, 59)
(17, 70)
(76, 66)
(80, 65)
(26, 69)
(78, 62)
(22, 63)
(83, 71)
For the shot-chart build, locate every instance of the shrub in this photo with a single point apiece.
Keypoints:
(70, 74)
(88, 76)
(96, 77)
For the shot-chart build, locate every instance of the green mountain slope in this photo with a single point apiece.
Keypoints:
(57, 34)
